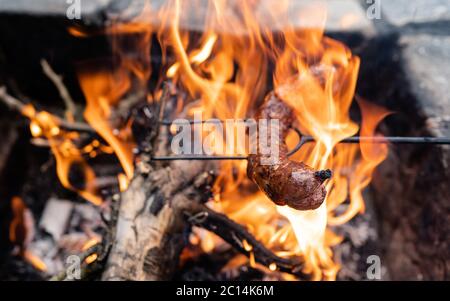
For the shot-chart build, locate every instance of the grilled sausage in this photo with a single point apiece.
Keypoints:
(286, 182)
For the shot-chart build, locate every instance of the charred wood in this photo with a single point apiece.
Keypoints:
(235, 234)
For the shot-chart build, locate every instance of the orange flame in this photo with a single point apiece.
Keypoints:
(35, 261)
(21, 232)
(245, 49)
(317, 77)
(44, 124)
(103, 89)
(90, 243)
(17, 230)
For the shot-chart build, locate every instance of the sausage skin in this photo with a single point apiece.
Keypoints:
(286, 182)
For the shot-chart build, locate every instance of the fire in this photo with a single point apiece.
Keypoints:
(35, 261)
(17, 229)
(21, 232)
(103, 89)
(67, 154)
(90, 243)
(244, 50)
(317, 77)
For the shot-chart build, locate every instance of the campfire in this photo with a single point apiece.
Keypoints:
(160, 174)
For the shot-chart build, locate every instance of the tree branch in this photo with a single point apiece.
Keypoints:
(59, 84)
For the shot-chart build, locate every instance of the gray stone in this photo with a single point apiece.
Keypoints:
(335, 15)
(426, 63)
(50, 7)
(402, 12)
(341, 15)
(411, 187)
(347, 16)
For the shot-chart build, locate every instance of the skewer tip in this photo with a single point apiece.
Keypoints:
(324, 174)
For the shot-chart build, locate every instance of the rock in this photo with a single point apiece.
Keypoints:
(335, 15)
(426, 63)
(406, 68)
(57, 8)
(347, 16)
(412, 192)
(343, 15)
(402, 12)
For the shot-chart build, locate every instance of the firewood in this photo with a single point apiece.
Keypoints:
(57, 80)
(151, 226)
(234, 234)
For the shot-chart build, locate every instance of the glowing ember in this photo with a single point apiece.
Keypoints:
(21, 232)
(90, 243)
(35, 261)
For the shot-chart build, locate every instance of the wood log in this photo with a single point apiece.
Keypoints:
(151, 227)
(235, 234)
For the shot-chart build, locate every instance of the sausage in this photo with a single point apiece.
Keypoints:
(286, 182)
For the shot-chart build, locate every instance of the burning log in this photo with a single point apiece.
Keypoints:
(151, 224)
(284, 181)
(238, 236)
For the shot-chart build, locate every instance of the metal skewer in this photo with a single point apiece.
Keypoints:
(302, 141)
